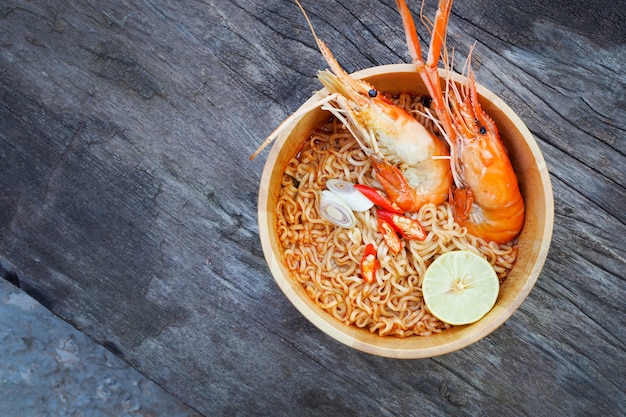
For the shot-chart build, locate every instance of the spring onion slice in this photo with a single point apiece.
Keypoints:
(336, 211)
(353, 197)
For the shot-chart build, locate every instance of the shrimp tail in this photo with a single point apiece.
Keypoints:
(461, 200)
(395, 184)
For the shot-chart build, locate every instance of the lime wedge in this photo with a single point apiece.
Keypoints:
(460, 287)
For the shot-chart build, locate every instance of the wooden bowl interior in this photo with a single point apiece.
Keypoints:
(533, 243)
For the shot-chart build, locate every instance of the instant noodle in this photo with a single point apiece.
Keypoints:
(325, 258)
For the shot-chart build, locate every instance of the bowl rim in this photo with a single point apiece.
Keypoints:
(349, 335)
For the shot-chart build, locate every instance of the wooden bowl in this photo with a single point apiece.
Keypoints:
(534, 240)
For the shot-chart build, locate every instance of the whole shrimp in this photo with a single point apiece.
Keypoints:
(485, 198)
(410, 162)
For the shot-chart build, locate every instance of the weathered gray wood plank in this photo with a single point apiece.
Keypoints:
(128, 203)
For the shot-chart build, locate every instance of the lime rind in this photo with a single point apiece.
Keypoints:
(460, 287)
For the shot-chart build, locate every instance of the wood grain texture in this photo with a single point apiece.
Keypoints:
(128, 203)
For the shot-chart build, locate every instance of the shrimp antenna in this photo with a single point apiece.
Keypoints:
(287, 122)
(336, 69)
(426, 21)
(308, 21)
(330, 59)
(299, 113)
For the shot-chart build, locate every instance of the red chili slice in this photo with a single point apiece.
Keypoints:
(369, 263)
(389, 236)
(378, 197)
(409, 228)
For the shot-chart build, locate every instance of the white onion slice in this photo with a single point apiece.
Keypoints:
(353, 197)
(336, 211)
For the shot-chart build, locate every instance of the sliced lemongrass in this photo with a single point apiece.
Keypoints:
(346, 191)
(336, 211)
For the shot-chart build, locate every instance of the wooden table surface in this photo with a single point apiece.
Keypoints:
(128, 202)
